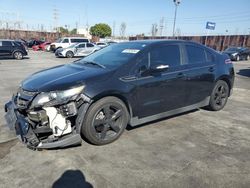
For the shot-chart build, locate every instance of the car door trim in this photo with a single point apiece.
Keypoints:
(138, 121)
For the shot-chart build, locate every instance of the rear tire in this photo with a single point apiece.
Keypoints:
(105, 121)
(18, 55)
(69, 54)
(219, 96)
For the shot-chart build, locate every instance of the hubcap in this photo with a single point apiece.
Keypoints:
(221, 95)
(18, 55)
(107, 122)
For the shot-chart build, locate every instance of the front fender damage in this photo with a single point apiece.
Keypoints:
(48, 127)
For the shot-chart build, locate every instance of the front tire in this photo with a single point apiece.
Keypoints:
(18, 55)
(105, 121)
(219, 96)
(69, 54)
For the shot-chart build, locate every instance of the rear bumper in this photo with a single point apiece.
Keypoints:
(24, 130)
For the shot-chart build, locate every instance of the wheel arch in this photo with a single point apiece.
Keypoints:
(17, 50)
(117, 95)
(226, 79)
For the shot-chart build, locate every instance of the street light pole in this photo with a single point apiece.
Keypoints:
(176, 2)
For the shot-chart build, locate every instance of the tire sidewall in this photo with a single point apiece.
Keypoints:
(18, 52)
(212, 104)
(71, 54)
(86, 128)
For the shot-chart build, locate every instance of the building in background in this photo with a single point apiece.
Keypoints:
(85, 32)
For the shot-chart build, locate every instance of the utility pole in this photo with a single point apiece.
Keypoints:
(162, 21)
(55, 18)
(176, 2)
(114, 25)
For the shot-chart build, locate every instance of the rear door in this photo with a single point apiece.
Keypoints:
(6, 48)
(163, 91)
(89, 48)
(200, 72)
(80, 50)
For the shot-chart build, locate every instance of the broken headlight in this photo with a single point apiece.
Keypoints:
(56, 97)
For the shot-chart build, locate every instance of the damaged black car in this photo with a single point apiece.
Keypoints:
(96, 97)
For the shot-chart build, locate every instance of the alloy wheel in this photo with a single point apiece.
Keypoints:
(18, 55)
(107, 122)
(220, 95)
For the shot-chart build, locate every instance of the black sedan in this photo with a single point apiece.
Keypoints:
(238, 53)
(126, 83)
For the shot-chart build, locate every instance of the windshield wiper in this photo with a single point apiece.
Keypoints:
(94, 63)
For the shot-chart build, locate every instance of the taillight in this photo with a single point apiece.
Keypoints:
(228, 61)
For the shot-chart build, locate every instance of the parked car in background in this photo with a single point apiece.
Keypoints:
(10, 48)
(102, 44)
(41, 46)
(127, 83)
(66, 42)
(238, 53)
(76, 50)
(34, 42)
(111, 42)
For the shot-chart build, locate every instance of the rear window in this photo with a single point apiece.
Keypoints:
(89, 45)
(195, 54)
(79, 40)
(210, 56)
(6, 43)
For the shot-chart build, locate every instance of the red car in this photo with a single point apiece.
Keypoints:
(41, 46)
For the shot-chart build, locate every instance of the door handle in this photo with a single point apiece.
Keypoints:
(211, 69)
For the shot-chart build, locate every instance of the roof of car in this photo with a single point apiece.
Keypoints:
(161, 41)
(6, 40)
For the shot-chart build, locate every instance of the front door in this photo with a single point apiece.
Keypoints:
(160, 91)
(80, 49)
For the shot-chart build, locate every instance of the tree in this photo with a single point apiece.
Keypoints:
(63, 30)
(73, 31)
(101, 30)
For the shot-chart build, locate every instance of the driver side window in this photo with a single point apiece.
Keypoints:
(160, 55)
(165, 55)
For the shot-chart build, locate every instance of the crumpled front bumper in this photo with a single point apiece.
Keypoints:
(20, 125)
(24, 131)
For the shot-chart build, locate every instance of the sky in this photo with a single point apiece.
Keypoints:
(230, 16)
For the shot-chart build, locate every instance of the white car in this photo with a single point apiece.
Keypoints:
(66, 42)
(76, 50)
(102, 44)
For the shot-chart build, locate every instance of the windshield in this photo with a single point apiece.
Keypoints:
(59, 40)
(233, 49)
(115, 55)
